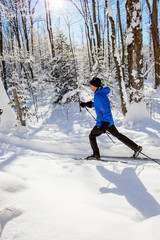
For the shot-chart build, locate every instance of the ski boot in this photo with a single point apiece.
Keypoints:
(93, 157)
(137, 152)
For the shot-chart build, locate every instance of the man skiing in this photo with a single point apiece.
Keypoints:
(104, 120)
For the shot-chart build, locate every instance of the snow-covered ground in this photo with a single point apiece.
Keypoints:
(46, 194)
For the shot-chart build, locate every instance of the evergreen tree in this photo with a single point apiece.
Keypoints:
(63, 72)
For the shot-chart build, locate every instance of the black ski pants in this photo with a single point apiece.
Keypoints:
(97, 131)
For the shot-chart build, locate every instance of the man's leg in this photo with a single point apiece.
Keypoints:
(92, 137)
(113, 130)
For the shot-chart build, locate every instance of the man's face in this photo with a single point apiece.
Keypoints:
(93, 88)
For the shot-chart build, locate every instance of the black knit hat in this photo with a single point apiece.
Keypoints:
(96, 82)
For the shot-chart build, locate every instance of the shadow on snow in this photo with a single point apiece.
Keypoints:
(129, 185)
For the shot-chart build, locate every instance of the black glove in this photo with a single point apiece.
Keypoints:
(86, 104)
(82, 104)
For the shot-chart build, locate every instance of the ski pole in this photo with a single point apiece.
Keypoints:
(154, 160)
(95, 120)
(90, 113)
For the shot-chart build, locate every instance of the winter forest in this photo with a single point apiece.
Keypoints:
(59, 46)
(49, 52)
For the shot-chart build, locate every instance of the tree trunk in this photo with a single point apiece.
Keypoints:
(155, 38)
(108, 44)
(18, 108)
(49, 27)
(122, 89)
(134, 49)
(89, 28)
(23, 11)
(96, 24)
(4, 72)
(122, 41)
(31, 13)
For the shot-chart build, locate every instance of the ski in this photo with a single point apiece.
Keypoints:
(121, 159)
(100, 160)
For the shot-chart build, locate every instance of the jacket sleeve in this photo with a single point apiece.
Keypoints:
(99, 111)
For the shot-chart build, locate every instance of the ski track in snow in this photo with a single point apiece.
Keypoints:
(46, 194)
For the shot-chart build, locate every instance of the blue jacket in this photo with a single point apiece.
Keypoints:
(102, 106)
